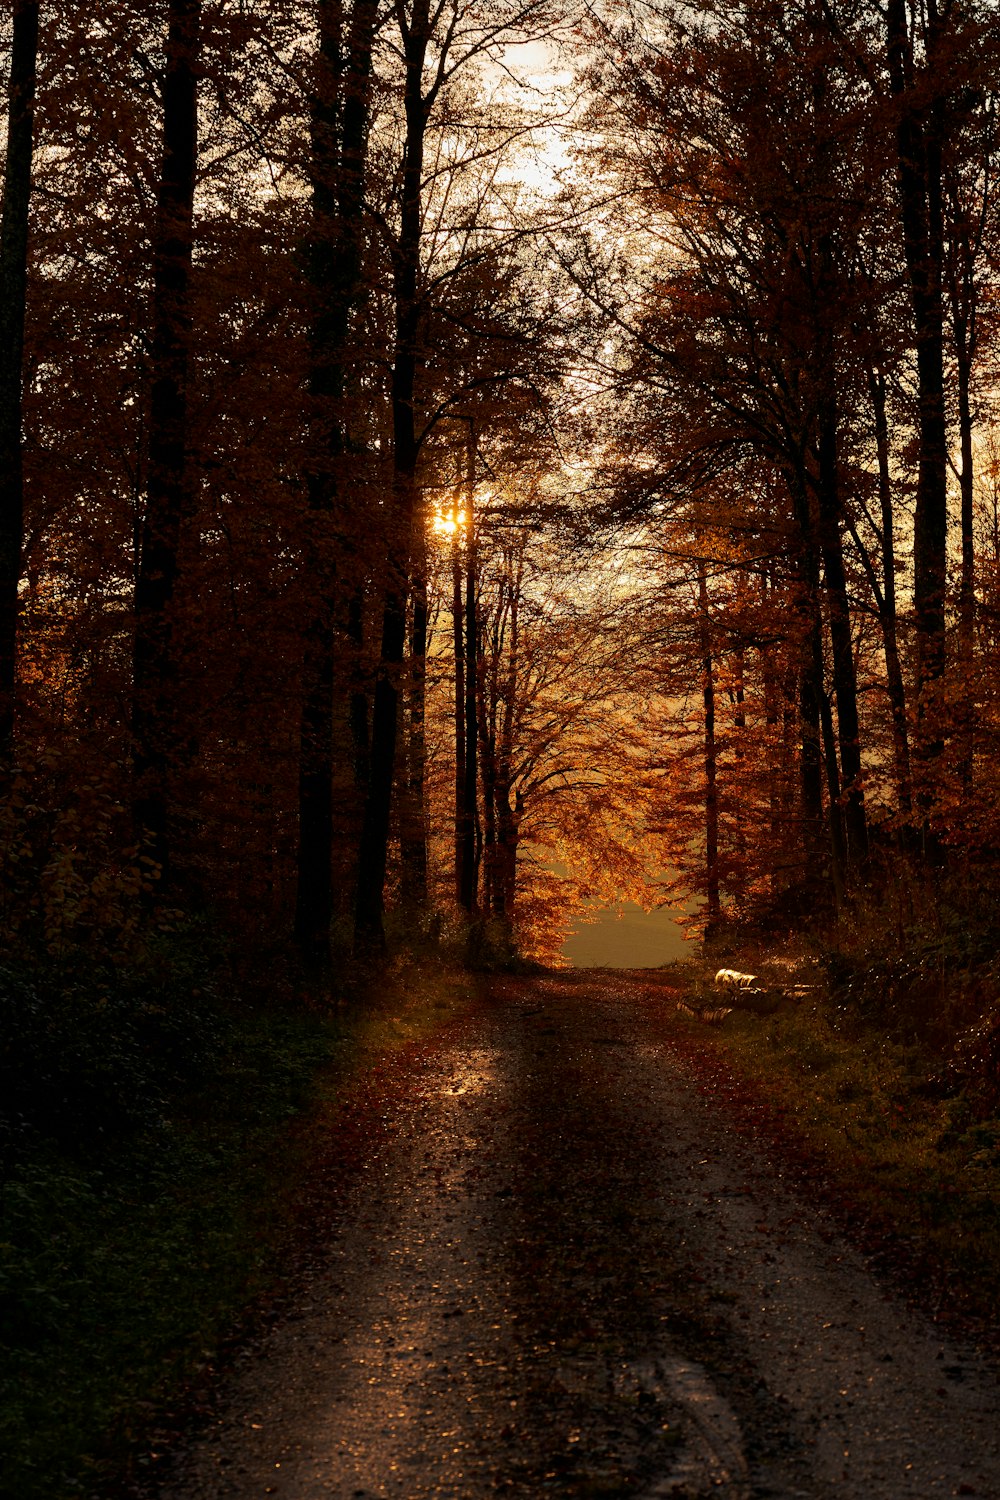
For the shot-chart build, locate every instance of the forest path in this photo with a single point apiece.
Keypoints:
(562, 1272)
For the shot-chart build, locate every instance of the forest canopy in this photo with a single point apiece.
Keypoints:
(460, 459)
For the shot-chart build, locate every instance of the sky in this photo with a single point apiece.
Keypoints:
(633, 940)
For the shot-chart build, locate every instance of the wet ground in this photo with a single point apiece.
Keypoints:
(562, 1273)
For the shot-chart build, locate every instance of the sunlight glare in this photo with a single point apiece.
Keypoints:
(448, 522)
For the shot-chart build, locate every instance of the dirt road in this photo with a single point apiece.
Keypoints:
(564, 1273)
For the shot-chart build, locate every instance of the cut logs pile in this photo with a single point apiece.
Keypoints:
(742, 992)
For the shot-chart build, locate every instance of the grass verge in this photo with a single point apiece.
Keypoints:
(146, 1202)
(909, 1160)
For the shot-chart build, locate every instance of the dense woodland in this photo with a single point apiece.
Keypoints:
(462, 463)
(463, 458)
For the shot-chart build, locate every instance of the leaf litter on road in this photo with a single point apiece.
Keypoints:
(563, 1271)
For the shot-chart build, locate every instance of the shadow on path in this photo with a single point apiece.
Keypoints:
(561, 1274)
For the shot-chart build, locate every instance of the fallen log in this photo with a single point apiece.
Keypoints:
(732, 979)
(712, 1015)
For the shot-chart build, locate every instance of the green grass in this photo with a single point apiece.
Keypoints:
(917, 1158)
(131, 1245)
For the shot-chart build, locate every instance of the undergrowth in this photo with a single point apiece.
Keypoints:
(888, 1064)
(923, 1167)
(148, 1172)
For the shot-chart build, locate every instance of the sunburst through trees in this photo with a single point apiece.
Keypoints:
(472, 458)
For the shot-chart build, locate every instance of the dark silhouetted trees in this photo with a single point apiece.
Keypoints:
(13, 288)
(399, 515)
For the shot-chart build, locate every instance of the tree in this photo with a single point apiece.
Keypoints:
(436, 43)
(756, 309)
(919, 144)
(340, 119)
(13, 295)
(157, 689)
(564, 733)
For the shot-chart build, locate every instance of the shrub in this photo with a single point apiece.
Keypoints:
(88, 1053)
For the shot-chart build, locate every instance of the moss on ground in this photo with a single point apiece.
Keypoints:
(909, 1146)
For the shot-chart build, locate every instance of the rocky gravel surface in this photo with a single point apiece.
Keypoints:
(563, 1271)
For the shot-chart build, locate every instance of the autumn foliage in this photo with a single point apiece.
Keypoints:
(404, 516)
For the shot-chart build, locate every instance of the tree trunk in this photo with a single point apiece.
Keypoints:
(369, 931)
(740, 788)
(792, 744)
(713, 906)
(492, 675)
(774, 759)
(157, 686)
(819, 744)
(964, 324)
(413, 813)
(508, 816)
(886, 600)
(468, 889)
(838, 843)
(918, 151)
(339, 131)
(13, 296)
(810, 757)
(844, 677)
(359, 707)
(813, 705)
(967, 587)
(508, 837)
(489, 851)
(458, 642)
